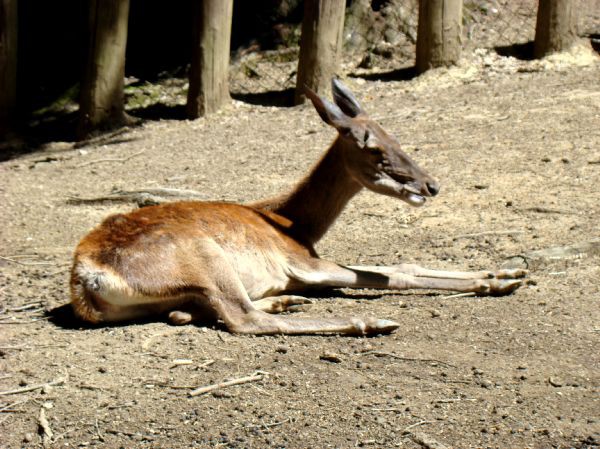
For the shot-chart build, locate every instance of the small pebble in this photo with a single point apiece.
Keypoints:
(485, 383)
(331, 357)
(28, 437)
(555, 382)
(282, 349)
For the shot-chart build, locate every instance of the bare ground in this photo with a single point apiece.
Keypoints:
(516, 147)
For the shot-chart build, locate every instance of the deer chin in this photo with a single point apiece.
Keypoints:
(413, 199)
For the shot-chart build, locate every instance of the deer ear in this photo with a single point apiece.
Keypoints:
(345, 99)
(329, 112)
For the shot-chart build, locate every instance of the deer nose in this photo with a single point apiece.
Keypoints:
(433, 187)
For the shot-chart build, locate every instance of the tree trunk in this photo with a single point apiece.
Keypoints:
(8, 64)
(209, 71)
(556, 27)
(320, 45)
(101, 101)
(439, 35)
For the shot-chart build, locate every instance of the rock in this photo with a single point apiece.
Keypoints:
(331, 357)
(555, 382)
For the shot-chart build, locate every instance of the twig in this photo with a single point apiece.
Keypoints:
(9, 408)
(33, 387)
(426, 441)
(145, 196)
(241, 380)
(31, 305)
(390, 409)
(451, 400)
(547, 210)
(420, 423)
(460, 295)
(407, 359)
(98, 161)
(207, 363)
(18, 262)
(267, 425)
(47, 433)
(479, 234)
(98, 433)
(180, 362)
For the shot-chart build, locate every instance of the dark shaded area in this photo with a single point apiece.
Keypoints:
(281, 98)
(158, 111)
(523, 51)
(595, 40)
(403, 74)
(64, 317)
(52, 41)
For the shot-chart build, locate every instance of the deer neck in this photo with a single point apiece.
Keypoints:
(318, 199)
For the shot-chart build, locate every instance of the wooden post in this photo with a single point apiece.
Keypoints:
(439, 34)
(556, 27)
(8, 64)
(209, 71)
(320, 45)
(101, 99)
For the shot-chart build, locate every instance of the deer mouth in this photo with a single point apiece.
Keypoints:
(407, 192)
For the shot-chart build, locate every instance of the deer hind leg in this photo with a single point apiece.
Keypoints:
(283, 303)
(223, 292)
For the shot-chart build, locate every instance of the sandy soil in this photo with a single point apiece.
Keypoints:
(516, 147)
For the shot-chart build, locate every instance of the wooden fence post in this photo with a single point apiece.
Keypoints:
(8, 64)
(209, 72)
(439, 34)
(101, 98)
(556, 27)
(320, 45)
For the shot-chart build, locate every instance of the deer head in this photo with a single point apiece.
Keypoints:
(371, 156)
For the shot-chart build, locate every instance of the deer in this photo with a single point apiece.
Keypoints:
(244, 264)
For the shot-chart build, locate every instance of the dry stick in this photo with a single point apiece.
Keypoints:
(27, 306)
(159, 194)
(98, 161)
(47, 433)
(241, 380)
(9, 408)
(426, 441)
(420, 423)
(459, 295)
(8, 259)
(180, 362)
(407, 359)
(479, 234)
(267, 425)
(32, 387)
(547, 210)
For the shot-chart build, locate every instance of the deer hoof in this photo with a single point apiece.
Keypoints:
(515, 273)
(376, 326)
(504, 287)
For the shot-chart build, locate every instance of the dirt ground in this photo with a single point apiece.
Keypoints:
(515, 145)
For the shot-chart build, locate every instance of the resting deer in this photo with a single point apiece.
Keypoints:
(237, 262)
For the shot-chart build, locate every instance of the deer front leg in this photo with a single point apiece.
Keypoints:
(324, 273)
(418, 271)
